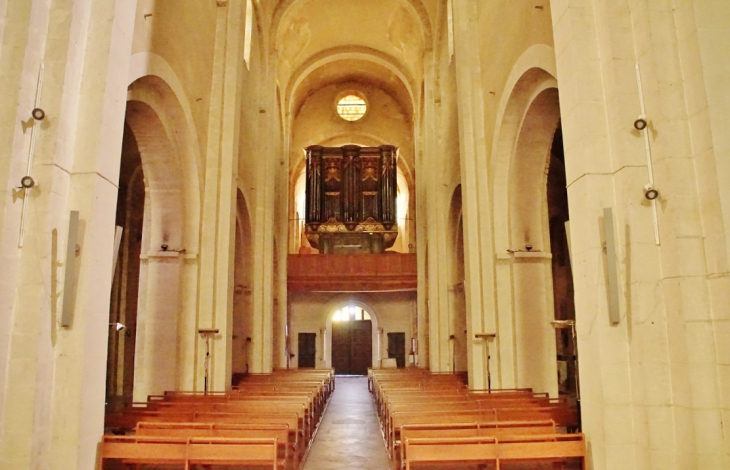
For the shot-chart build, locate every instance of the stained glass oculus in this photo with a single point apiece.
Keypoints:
(351, 107)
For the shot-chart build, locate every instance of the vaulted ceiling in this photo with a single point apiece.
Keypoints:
(378, 42)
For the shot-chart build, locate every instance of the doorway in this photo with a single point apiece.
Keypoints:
(397, 348)
(352, 347)
(307, 349)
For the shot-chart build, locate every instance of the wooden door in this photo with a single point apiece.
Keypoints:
(397, 348)
(361, 349)
(307, 349)
(341, 347)
(352, 347)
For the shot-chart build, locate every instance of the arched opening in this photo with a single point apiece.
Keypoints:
(457, 299)
(532, 273)
(563, 294)
(242, 282)
(524, 143)
(144, 358)
(125, 283)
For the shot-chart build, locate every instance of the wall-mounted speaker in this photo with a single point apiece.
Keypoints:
(611, 265)
(69, 279)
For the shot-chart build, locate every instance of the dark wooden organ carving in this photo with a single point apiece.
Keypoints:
(350, 200)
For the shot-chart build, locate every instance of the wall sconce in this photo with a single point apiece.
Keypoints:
(27, 182)
(117, 326)
(38, 114)
(650, 192)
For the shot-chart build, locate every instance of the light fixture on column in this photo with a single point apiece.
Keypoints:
(38, 114)
(650, 192)
(27, 182)
(117, 326)
(640, 123)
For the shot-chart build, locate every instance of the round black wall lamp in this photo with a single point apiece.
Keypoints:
(650, 192)
(38, 114)
(640, 124)
(27, 182)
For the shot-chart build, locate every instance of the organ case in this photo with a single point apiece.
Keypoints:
(350, 198)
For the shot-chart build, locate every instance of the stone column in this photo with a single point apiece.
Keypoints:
(215, 307)
(54, 387)
(430, 178)
(651, 385)
(263, 222)
(478, 249)
(423, 153)
(157, 329)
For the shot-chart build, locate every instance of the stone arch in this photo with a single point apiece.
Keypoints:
(528, 172)
(170, 237)
(528, 116)
(242, 286)
(346, 53)
(457, 300)
(158, 86)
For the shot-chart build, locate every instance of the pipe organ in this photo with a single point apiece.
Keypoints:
(350, 198)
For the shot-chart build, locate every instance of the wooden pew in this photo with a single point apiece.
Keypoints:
(469, 402)
(286, 458)
(293, 399)
(556, 448)
(399, 419)
(497, 429)
(128, 421)
(267, 403)
(244, 406)
(561, 415)
(189, 451)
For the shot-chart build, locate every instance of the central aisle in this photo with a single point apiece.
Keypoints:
(349, 435)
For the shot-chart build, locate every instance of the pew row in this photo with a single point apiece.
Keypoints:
(286, 408)
(496, 429)
(286, 459)
(554, 448)
(189, 451)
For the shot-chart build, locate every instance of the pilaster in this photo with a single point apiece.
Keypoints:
(478, 249)
(219, 202)
(262, 339)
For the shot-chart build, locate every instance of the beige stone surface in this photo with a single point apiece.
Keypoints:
(220, 97)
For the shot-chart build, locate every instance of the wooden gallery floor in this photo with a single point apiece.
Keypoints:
(349, 436)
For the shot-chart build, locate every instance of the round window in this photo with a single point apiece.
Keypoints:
(351, 107)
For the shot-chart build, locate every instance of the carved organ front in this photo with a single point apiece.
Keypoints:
(351, 198)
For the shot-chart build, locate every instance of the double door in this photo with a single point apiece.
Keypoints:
(352, 347)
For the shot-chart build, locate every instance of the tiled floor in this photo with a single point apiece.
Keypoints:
(349, 435)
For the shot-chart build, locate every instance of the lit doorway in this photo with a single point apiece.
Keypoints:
(352, 346)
